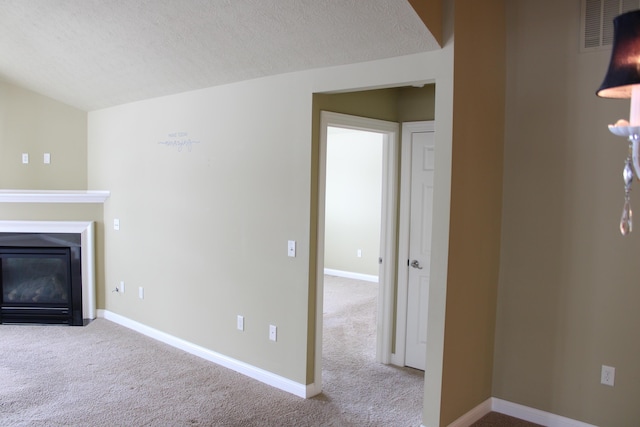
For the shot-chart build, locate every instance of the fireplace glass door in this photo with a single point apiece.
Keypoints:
(36, 285)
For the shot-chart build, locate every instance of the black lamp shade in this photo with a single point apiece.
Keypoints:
(624, 67)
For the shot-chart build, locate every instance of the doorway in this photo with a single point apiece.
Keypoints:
(389, 132)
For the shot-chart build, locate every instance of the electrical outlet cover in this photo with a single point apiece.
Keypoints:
(608, 375)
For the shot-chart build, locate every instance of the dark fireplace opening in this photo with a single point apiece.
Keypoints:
(40, 279)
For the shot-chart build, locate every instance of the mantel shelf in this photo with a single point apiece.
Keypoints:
(53, 196)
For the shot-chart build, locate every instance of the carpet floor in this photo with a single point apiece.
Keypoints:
(106, 375)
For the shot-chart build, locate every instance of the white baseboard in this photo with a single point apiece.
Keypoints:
(266, 377)
(473, 415)
(351, 275)
(534, 415)
(515, 410)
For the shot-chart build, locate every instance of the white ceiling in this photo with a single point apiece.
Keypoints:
(93, 54)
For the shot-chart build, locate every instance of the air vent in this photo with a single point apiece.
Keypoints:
(597, 21)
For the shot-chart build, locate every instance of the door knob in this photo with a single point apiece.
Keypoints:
(416, 264)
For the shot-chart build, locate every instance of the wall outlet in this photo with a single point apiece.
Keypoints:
(121, 287)
(141, 292)
(46, 158)
(273, 333)
(25, 158)
(607, 375)
(240, 323)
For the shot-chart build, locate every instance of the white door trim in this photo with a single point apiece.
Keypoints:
(391, 131)
(398, 358)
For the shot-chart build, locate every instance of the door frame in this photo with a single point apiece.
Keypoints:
(391, 132)
(399, 356)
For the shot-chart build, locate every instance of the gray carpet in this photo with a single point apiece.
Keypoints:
(106, 375)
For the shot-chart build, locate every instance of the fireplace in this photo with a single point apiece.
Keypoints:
(46, 272)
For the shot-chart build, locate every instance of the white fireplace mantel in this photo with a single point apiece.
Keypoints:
(53, 196)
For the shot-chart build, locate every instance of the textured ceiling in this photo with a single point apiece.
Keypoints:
(98, 53)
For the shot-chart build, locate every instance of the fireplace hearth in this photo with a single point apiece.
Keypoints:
(46, 277)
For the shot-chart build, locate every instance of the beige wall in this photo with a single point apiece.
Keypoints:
(34, 124)
(430, 11)
(569, 294)
(353, 199)
(402, 104)
(476, 203)
(204, 227)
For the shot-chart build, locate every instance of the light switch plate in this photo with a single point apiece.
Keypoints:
(47, 158)
(116, 224)
(291, 251)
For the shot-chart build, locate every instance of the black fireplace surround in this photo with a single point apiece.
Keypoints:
(41, 278)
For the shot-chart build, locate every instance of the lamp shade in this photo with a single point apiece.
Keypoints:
(624, 66)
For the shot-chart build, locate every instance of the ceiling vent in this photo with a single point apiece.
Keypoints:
(597, 21)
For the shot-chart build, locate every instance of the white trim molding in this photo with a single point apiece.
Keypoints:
(390, 132)
(266, 377)
(53, 196)
(518, 411)
(351, 275)
(87, 252)
(473, 415)
(534, 415)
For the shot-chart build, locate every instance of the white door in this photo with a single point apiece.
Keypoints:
(419, 260)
